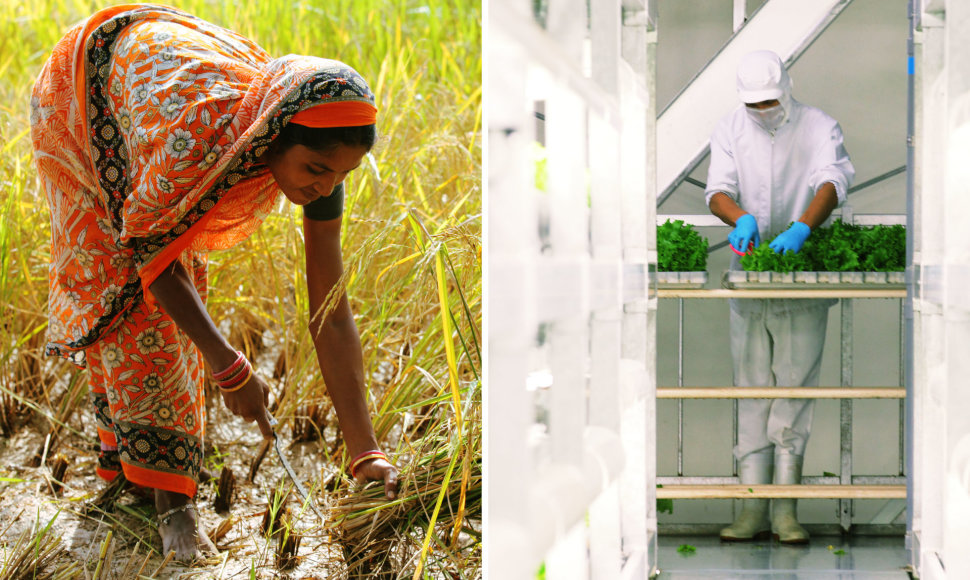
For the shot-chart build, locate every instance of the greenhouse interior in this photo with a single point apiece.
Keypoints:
(613, 400)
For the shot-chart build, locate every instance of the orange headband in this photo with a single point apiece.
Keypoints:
(337, 114)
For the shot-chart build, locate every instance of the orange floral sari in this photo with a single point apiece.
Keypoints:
(147, 123)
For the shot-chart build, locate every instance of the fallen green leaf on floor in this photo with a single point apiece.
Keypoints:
(829, 474)
(665, 506)
(686, 549)
(839, 552)
(750, 490)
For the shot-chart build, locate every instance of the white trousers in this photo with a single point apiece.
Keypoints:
(780, 349)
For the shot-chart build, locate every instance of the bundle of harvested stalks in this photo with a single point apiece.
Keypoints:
(35, 556)
(441, 488)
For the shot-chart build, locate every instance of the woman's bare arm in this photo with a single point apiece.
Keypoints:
(176, 294)
(338, 347)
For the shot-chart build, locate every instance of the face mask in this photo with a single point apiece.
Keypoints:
(770, 118)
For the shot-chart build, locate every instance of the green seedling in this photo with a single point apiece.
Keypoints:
(840, 247)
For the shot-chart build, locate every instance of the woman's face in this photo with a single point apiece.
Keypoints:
(305, 174)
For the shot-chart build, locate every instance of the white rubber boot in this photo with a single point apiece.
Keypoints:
(752, 523)
(784, 523)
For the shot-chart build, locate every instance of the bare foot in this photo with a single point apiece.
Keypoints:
(180, 529)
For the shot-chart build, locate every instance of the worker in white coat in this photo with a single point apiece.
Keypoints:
(778, 169)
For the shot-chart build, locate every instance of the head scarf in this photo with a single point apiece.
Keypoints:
(148, 125)
(342, 114)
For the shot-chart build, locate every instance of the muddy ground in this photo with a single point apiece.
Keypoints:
(244, 551)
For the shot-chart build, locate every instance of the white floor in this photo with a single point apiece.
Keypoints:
(825, 558)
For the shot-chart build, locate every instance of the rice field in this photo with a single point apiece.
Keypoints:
(412, 255)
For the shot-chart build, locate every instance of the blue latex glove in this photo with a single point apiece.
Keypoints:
(791, 239)
(745, 231)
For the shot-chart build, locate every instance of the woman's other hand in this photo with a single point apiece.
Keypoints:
(250, 403)
(379, 469)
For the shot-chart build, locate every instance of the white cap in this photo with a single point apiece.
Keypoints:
(762, 77)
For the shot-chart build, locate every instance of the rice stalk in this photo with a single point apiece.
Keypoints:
(103, 556)
(38, 555)
(364, 519)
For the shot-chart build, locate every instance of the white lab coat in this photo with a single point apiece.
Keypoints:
(774, 175)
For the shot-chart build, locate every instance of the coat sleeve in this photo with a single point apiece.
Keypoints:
(831, 163)
(722, 174)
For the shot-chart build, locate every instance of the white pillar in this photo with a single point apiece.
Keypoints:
(956, 264)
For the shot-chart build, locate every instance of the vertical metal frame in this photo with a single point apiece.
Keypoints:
(585, 503)
(845, 412)
(845, 508)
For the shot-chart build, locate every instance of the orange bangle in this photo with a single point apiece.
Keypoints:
(375, 454)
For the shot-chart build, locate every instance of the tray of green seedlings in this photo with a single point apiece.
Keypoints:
(681, 256)
(836, 257)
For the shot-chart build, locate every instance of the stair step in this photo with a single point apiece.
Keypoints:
(742, 491)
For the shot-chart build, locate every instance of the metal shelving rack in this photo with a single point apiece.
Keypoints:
(845, 487)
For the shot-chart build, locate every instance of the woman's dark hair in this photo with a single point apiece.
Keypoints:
(323, 139)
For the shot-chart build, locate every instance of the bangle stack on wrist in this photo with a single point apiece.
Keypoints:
(236, 376)
(364, 457)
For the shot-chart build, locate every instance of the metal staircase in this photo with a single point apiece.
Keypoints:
(684, 127)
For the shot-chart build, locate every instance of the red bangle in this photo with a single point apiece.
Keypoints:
(237, 379)
(233, 368)
(365, 456)
(234, 374)
(246, 377)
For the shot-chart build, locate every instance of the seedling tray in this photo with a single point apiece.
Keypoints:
(681, 280)
(738, 280)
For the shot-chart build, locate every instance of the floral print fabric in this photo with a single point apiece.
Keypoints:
(148, 125)
(146, 382)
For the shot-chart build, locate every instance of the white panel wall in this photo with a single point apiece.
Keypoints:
(570, 453)
(941, 523)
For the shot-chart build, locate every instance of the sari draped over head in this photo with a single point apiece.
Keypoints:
(147, 125)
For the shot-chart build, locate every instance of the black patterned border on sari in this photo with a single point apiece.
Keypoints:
(159, 449)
